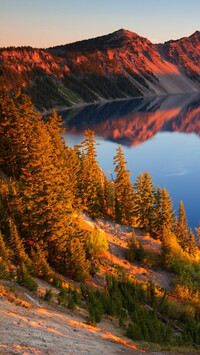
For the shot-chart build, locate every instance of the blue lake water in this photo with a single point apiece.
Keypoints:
(161, 135)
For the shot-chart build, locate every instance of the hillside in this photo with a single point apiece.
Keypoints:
(39, 327)
(115, 66)
(71, 237)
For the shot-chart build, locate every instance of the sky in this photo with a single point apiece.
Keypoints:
(45, 23)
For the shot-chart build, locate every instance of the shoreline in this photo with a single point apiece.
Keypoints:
(60, 109)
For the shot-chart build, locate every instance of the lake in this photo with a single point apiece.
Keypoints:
(161, 135)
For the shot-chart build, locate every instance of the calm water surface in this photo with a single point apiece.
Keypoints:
(161, 135)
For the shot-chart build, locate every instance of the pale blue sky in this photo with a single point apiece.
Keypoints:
(44, 23)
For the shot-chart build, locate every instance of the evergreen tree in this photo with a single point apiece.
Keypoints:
(109, 196)
(131, 247)
(5, 265)
(78, 264)
(167, 212)
(39, 258)
(138, 198)
(24, 278)
(123, 189)
(144, 200)
(91, 176)
(163, 214)
(157, 223)
(192, 248)
(36, 156)
(19, 254)
(181, 228)
(198, 235)
(4, 253)
(15, 132)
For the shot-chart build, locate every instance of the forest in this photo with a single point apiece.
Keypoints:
(45, 185)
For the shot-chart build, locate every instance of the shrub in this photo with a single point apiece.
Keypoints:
(62, 297)
(25, 279)
(48, 295)
(96, 243)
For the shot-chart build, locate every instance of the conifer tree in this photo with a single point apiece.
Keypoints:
(123, 189)
(24, 278)
(167, 212)
(138, 198)
(4, 253)
(78, 264)
(19, 254)
(5, 264)
(144, 200)
(15, 131)
(198, 235)
(181, 228)
(109, 196)
(192, 248)
(131, 247)
(158, 213)
(39, 258)
(91, 176)
(163, 214)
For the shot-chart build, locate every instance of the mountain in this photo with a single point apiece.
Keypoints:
(115, 66)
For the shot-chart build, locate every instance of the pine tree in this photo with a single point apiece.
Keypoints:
(19, 254)
(163, 214)
(144, 200)
(181, 228)
(4, 253)
(167, 212)
(131, 247)
(39, 258)
(148, 201)
(6, 270)
(91, 176)
(109, 197)
(138, 198)
(24, 278)
(192, 248)
(157, 223)
(198, 235)
(123, 189)
(13, 135)
(78, 265)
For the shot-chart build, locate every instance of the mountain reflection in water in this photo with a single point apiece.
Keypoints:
(160, 135)
(133, 122)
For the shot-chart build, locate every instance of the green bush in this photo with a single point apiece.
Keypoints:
(48, 295)
(62, 297)
(25, 279)
(96, 243)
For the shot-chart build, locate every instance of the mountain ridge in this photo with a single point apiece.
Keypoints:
(118, 65)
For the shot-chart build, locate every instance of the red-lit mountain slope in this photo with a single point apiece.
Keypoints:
(184, 53)
(119, 65)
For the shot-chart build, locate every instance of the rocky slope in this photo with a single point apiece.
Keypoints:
(41, 328)
(119, 65)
